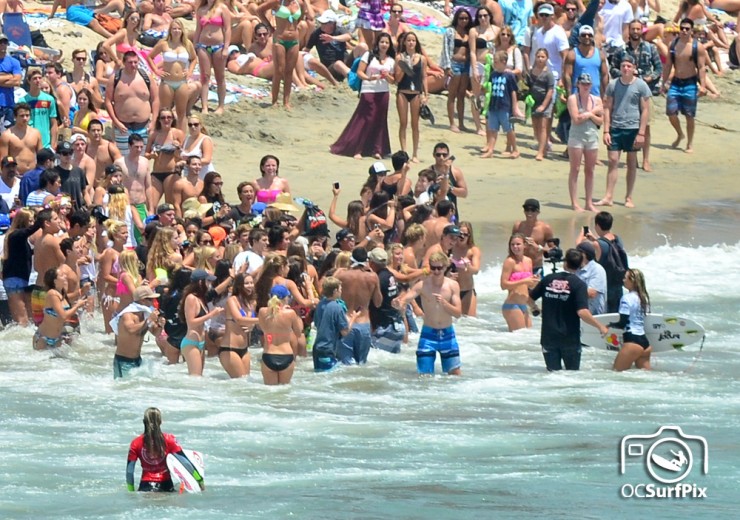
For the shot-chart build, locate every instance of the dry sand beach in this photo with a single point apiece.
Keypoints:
(301, 139)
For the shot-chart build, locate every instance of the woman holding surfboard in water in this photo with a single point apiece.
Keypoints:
(633, 307)
(152, 448)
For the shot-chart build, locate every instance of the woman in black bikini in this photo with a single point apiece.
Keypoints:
(282, 329)
(164, 147)
(411, 76)
(466, 258)
(456, 62)
(240, 319)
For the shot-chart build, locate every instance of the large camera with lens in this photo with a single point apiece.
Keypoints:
(553, 253)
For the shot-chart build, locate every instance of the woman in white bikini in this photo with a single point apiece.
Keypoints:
(176, 70)
(199, 144)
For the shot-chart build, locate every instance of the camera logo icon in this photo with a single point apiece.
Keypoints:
(669, 454)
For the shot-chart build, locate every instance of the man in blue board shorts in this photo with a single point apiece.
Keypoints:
(440, 298)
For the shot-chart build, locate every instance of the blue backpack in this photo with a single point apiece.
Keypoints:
(353, 80)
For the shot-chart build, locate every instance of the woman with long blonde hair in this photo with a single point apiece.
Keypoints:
(164, 255)
(110, 269)
(282, 329)
(633, 307)
(194, 312)
(129, 278)
(119, 208)
(177, 88)
(205, 257)
(516, 277)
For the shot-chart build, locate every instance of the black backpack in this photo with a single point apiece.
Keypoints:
(142, 72)
(314, 220)
(615, 262)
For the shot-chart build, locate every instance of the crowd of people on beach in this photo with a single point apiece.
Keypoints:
(137, 227)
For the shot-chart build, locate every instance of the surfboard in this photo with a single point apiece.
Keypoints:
(181, 477)
(665, 333)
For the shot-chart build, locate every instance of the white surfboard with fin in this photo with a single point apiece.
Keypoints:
(182, 479)
(665, 333)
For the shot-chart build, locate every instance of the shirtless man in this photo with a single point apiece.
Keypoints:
(538, 233)
(103, 152)
(137, 178)
(157, 23)
(134, 322)
(21, 141)
(435, 226)
(46, 254)
(186, 187)
(687, 60)
(262, 44)
(83, 161)
(450, 234)
(360, 286)
(440, 297)
(131, 102)
(70, 268)
(79, 78)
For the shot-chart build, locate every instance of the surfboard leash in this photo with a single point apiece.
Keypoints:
(698, 356)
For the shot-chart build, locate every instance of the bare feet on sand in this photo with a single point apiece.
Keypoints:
(454, 129)
(577, 208)
(689, 148)
(538, 157)
(678, 140)
(358, 156)
(590, 207)
(646, 166)
(486, 155)
(514, 154)
(628, 203)
(604, 202)
(415, 159)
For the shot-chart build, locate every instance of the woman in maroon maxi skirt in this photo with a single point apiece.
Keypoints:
(366, 134)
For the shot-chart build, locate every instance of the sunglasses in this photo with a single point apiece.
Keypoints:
(65, 153)
(464, 235)
(395, 11)
(686, 29)
(193, 125)
(544, 15)
(206, 242)
(571, 9)
(530, 208)
(80, 58)
(440, 154)
(436, 268)
(166, 117)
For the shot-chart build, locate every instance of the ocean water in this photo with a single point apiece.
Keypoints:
(505, 440)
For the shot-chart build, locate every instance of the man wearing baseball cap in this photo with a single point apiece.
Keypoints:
(131, 326)
(10, 77)
(73, 178)
(387, 321)
(552, 37)
(536, 234)
(10, 185)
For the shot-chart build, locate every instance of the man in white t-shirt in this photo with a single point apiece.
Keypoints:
(10, 185)
(254, 257)
(616, 15)
(552, 37)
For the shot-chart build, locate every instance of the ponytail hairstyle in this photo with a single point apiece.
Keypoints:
(638, 280)
(113, 227)
(153, 437)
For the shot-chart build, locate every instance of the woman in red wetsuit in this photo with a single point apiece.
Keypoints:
(152, 448)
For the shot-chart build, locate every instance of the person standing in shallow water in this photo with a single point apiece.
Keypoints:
(152, 448)
(440, 297)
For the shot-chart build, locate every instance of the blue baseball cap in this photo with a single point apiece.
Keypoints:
(280, 291)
